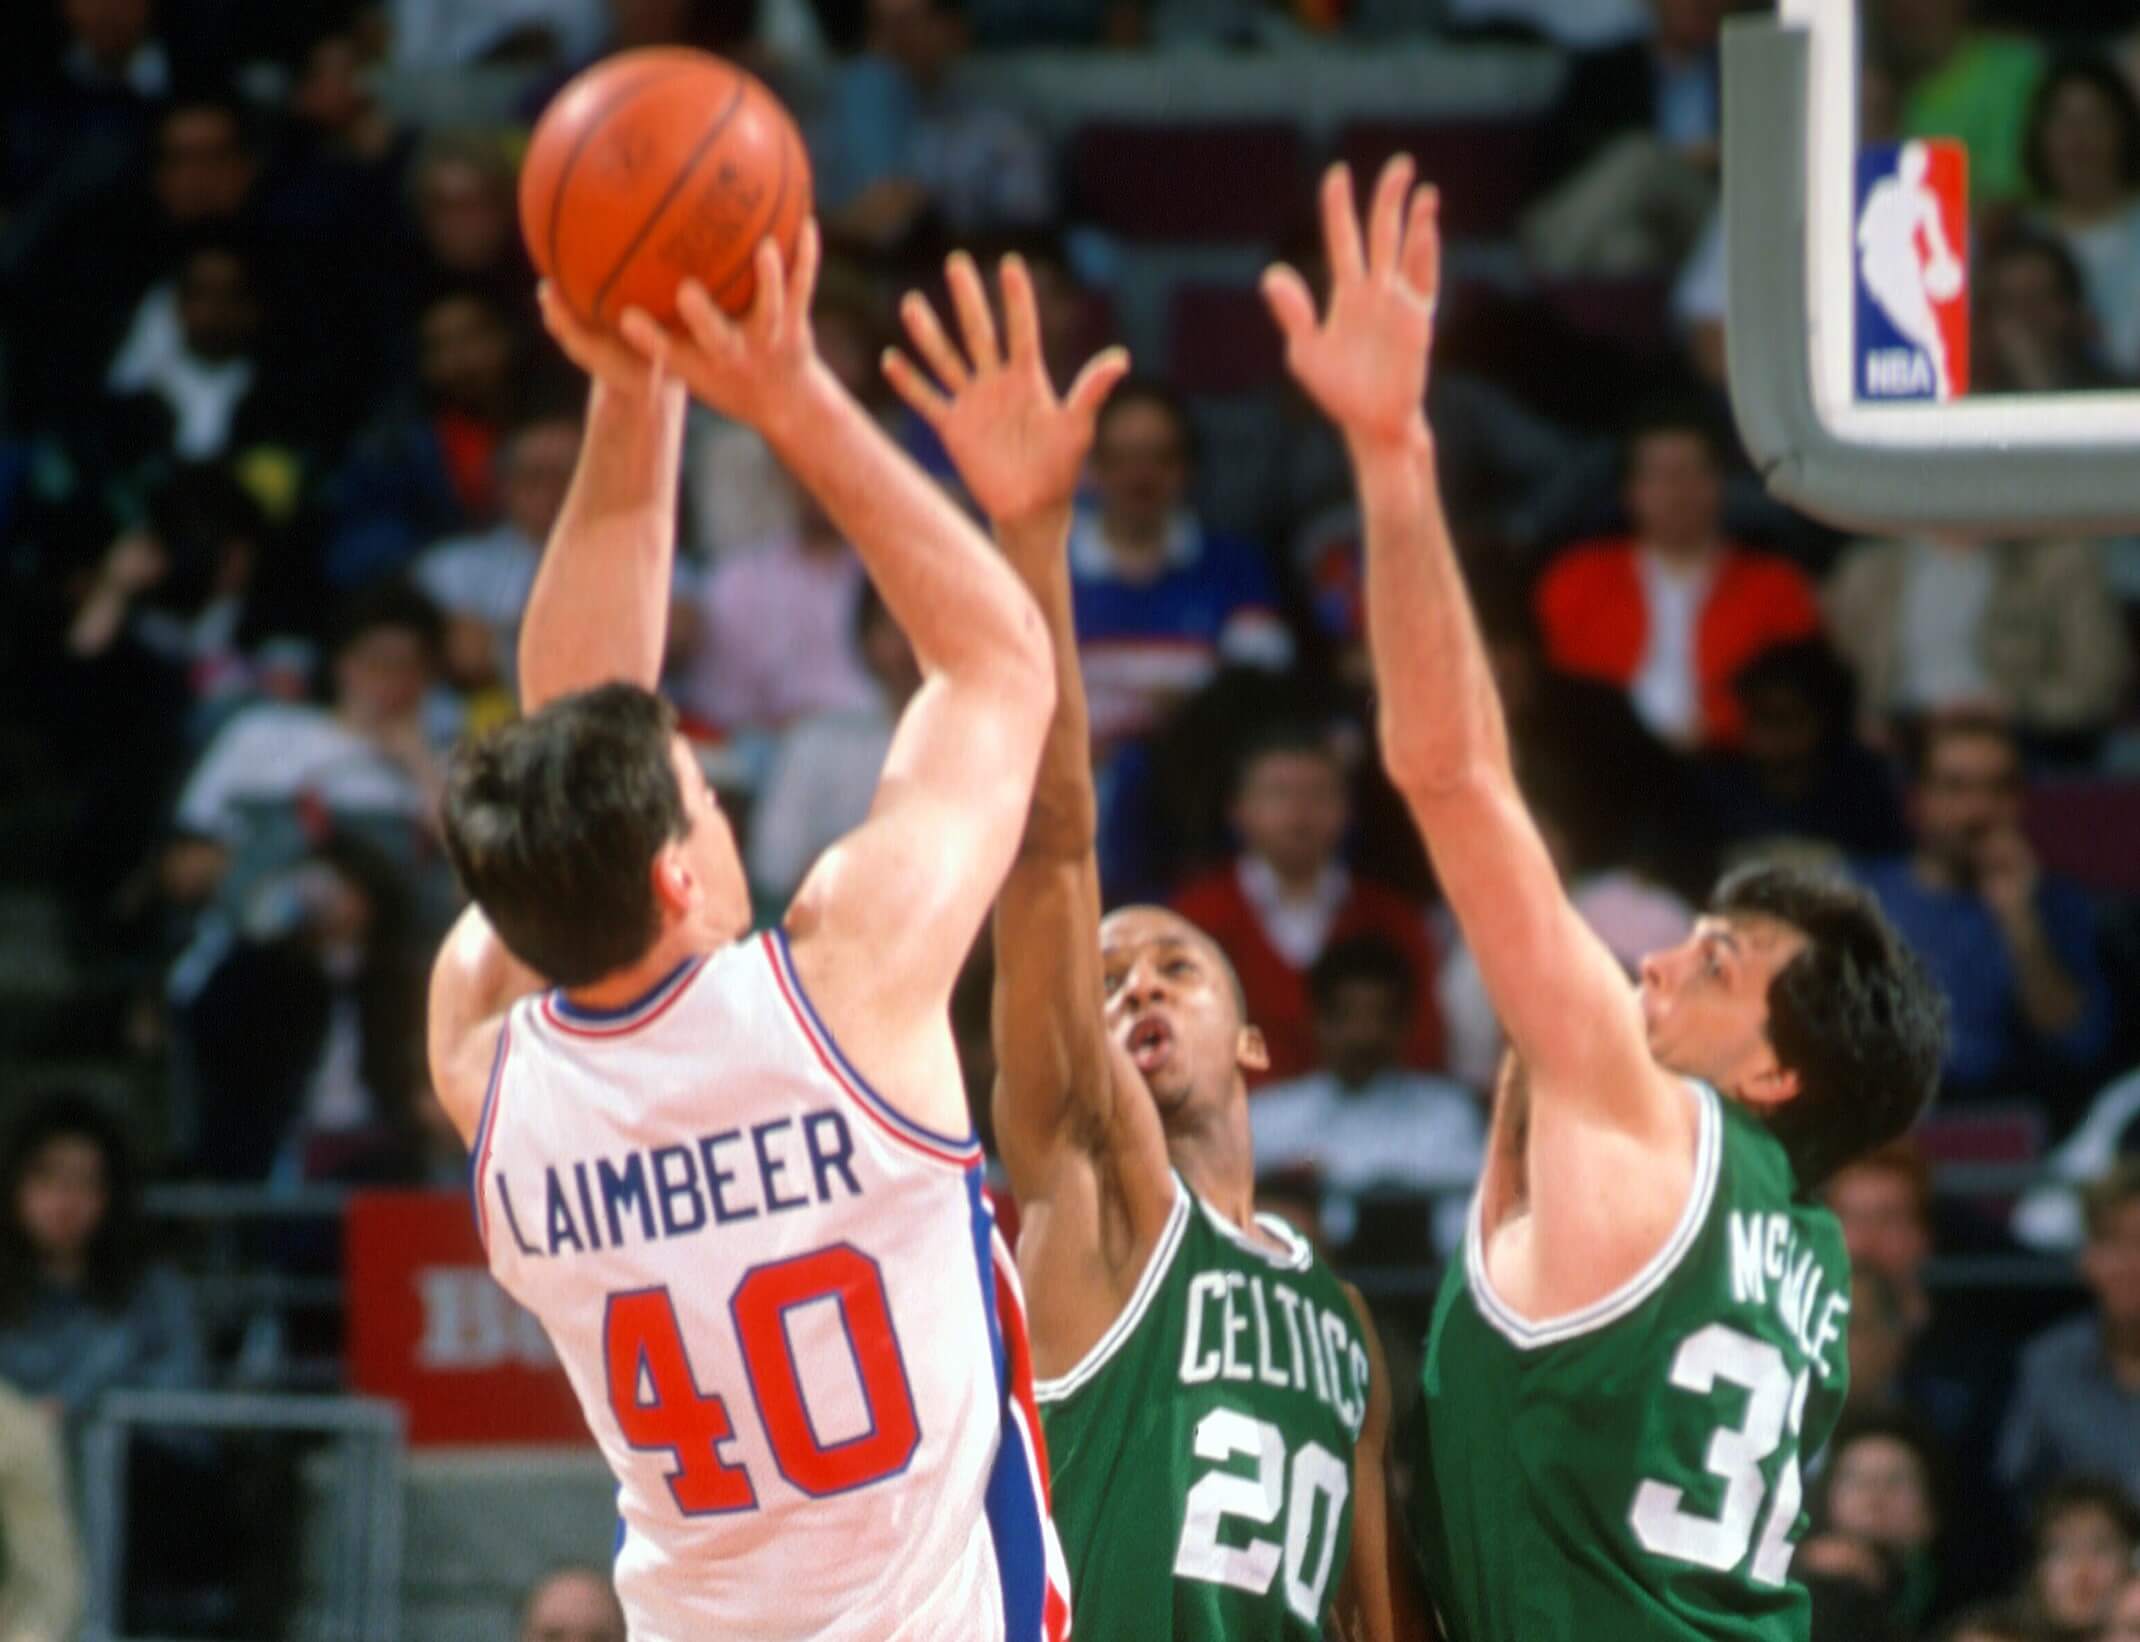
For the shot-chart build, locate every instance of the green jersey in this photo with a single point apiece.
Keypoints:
(1202, 1450)
(1633, 1470)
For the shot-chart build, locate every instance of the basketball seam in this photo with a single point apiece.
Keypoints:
(668, 198)
(654, 76)
(748, 260)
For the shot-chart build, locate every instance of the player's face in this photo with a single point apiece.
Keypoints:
(1881, 1226)
(1171, 1006)
(2084, 1559)
(1705, 1005)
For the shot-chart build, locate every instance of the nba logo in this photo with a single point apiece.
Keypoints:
(1913, 270)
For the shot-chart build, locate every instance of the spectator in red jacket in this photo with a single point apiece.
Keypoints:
(1287, 897)
(1670, 612)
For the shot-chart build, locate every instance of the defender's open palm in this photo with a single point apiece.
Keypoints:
(1018, 447)
(1365, 364)
(753, 368)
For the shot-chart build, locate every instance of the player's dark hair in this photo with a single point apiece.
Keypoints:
(2095, 72)
(2073, 1496)
(553, 824)
(1853, 1014)
(1286, 738)
(1150, 390)
(1359, 958)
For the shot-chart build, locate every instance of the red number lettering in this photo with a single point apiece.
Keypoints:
(645, 1354)
(844, 1274)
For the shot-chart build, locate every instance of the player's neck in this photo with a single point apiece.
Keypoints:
(1217, 1159)
(622, 988)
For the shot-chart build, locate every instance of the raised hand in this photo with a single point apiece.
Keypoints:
(751, 369)
(1365, 364)
(610, 360)
(1018, 447)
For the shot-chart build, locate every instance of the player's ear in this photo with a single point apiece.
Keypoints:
(1772, 1086)
(1250, 1052)
(675, 885)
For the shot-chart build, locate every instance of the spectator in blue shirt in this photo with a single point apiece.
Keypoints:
(2013, 948)
(1161, 601)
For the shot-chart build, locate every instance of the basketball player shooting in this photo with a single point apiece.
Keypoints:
(735, 1178)
(1214, 1398)
(1646, 1331)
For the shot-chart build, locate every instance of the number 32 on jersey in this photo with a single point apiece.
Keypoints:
(1707, 1360)
(658, 1403)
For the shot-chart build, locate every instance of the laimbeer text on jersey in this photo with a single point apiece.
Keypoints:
(719, 1179)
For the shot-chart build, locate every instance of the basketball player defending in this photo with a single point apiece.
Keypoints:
(735, 1178)
(1646, 1331)
(1214, 1398)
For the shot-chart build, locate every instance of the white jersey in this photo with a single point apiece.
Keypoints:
(787, 1314)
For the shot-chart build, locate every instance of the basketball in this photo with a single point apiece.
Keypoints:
(657, 166)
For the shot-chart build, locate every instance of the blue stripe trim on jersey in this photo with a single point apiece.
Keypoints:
(861, 1084)
(1012, 1500)
(610, 1017)
(485, 1119)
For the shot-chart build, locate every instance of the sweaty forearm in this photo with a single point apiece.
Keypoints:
(1441, 720)
(1064, 821)
(600, 606)
(959, 605)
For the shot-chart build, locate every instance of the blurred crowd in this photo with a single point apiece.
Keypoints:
(281, 443)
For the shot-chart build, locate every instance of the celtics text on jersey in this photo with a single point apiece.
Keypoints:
(1635, 1469)
(1202, 1450)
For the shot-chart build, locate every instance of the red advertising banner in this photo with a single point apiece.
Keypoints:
(431, 1329)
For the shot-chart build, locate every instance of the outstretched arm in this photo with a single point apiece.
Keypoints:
(1065, 1094)
(600, 606)
(1564, 1001)
(904, 895)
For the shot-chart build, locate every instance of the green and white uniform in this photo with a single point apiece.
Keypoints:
(1202, 1450)
(1634, 1470)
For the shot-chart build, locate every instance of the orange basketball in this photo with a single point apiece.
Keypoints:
(656, 166)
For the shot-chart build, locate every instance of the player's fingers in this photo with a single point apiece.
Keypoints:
(711, 329)
(929, 340)
(802, 278)
(1102, 374)
(1341, 224)
(769, 302)
(916, 389)
(1287, 295)
(1422, 265)
(1021, 313)
(1386, 220)
(646, 339)
(970, 298)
